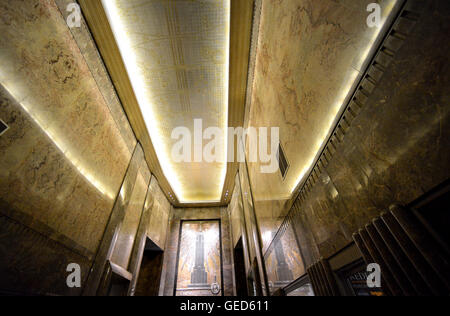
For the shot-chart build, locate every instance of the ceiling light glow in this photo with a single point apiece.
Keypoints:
(340, 100)
(141, 89)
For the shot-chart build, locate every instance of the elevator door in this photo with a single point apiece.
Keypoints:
(199, 264)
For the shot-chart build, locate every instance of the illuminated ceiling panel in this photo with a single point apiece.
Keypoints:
(177, 57)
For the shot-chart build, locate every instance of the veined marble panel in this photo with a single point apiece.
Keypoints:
(397, 148)
(63, 159)
(236, 213)
(98, 70)
(309, 54)
(159, 217)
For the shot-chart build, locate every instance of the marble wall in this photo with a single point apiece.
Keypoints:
(159, 220)
(253, 229)
(284, 262)
(63, 158)
(70, 170)
(130, 226)
(170, 256)
(307, 56)
(397, 148)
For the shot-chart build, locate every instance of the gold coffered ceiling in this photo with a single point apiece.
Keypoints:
(170, 62)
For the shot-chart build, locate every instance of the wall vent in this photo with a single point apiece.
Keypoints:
(3, 127)
(283, 163)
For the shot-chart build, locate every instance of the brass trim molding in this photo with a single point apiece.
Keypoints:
(240, 41)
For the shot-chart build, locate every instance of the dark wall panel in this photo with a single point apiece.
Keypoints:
(21, 273)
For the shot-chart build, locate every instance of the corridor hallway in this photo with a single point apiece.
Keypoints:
(224, 148)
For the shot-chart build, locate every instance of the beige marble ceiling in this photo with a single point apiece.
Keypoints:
(176, 54)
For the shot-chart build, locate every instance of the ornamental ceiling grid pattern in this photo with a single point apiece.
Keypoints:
(181, 49)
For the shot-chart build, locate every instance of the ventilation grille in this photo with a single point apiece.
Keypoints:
(3, 127)
(282, 162)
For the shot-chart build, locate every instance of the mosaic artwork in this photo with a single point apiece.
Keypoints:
(284, 263)
(199, 263)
